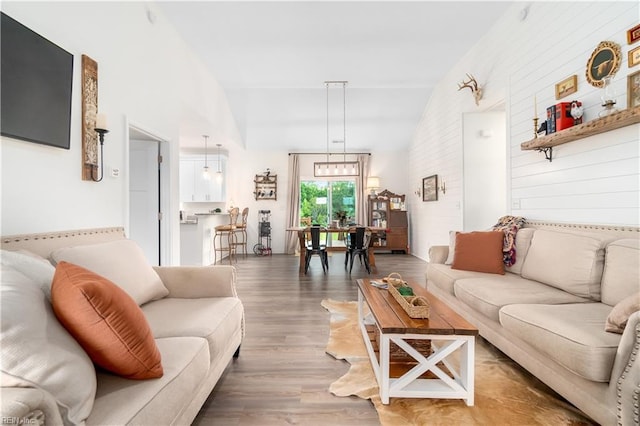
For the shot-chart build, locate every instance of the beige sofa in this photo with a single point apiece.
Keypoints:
(196, 318)
(548, 311)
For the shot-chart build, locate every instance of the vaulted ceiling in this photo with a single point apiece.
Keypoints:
(272, 59)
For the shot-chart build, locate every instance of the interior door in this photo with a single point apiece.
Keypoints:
(144, 197)
(485, 169)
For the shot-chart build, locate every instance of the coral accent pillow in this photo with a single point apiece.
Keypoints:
(106, 322)
(479, 251)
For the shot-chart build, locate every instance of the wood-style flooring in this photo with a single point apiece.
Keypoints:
(282, 375)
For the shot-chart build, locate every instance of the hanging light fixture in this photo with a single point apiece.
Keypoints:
(344, 167)
(219, 172)
(205, 169)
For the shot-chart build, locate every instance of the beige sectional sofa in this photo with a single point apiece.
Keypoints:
(548, 311)
(195, 315)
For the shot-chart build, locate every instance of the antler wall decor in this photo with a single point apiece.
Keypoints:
(472, 84)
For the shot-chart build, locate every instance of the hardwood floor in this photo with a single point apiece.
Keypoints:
(282, 375)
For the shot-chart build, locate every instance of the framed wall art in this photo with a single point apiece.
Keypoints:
(89, 111)
(604, 61)
(430, 188)
(633, 90)
(634, 57)
(633, 34)
(567, 87)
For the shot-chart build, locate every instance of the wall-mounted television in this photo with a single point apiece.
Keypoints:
(36, 79)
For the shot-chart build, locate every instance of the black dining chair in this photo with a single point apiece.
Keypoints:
(350, 244)
(359, 246)
(315, 246)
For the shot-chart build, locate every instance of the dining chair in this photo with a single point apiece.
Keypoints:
(315, 246)
(350, 244)
(360, 247)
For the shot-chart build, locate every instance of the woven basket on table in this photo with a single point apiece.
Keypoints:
(414, 306)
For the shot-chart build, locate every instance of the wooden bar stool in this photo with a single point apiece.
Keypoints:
(241, 228)
(228, 233)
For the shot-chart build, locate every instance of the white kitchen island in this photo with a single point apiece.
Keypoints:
(196, 238)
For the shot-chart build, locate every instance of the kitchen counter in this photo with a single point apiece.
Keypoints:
(192, 220)
(196, 238)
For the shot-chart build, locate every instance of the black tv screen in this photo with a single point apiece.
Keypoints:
(35, 86)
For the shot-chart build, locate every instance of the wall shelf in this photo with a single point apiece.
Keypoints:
(614, 121)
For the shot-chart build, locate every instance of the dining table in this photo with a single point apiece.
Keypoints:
(302, 238)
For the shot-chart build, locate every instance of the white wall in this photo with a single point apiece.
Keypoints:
(594, 180)
(147, 75)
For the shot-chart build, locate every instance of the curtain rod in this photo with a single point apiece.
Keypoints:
(330, 153)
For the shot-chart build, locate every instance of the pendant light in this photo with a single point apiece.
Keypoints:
(205, 169)
(219, 172)
(344, 167)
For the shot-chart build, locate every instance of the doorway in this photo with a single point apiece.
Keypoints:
(484, 169)
(145, 193)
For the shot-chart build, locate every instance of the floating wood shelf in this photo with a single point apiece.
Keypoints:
(614, 121)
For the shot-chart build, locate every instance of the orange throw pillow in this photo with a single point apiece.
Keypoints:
(106, 322)
(479, 252)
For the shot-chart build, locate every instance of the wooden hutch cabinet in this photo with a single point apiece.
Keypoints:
(386, 210)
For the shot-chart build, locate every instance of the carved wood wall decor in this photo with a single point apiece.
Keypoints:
(89, 111)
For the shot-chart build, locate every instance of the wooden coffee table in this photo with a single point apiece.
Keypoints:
(435, 375)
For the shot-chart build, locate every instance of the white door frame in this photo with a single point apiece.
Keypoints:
(165, 206)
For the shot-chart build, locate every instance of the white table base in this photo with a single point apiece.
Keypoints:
(461, 386)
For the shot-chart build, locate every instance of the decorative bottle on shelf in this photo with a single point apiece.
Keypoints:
(608, 97)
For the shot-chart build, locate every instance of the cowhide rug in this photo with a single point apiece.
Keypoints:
(505, 394)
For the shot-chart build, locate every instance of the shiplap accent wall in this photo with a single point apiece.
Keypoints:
(593, 180)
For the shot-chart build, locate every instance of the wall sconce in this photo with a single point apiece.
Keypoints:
(373, 183)
(443, 187)
(101, 130)
(418, 192)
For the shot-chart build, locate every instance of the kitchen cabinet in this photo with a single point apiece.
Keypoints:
(386, 210)
(194, 187)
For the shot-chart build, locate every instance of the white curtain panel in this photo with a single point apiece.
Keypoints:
(293, 210)
(361, 189)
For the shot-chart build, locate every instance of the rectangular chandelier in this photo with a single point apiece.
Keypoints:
(336, 168)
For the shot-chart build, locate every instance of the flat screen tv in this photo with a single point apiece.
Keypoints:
(36, 79)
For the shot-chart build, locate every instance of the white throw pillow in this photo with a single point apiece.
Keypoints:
(568, 261)
(621, 276)
(523, 242)
(121, 262)
(452, 247)
(36, 268)
(38, 352)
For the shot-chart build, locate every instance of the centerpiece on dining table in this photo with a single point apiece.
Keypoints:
(341, 218)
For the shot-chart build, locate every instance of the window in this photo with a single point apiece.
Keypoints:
(324, 201)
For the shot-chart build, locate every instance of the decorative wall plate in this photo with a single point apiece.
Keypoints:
(605, 60)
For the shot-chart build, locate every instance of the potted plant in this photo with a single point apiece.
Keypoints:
(341, 216)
